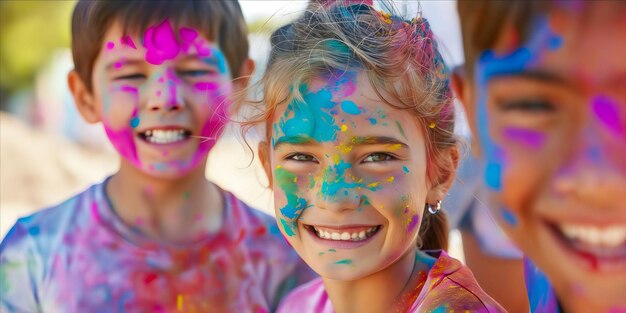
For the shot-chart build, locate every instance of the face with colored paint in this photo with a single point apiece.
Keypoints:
(550, 117)
(162, 97)
(349, 176)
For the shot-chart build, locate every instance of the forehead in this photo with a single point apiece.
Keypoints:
(589, 43)
(163, 38)
(345, 106)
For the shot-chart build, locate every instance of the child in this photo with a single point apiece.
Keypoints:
(544, 90)
(359, 152)
(156, 236)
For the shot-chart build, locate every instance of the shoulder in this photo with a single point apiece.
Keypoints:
(42, 228)
(452, 286)
(310, 297)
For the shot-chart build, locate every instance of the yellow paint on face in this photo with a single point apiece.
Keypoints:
(391, 179)
(344, 128)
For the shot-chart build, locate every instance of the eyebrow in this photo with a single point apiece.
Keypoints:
(293, 140)
(112, 64)
(378, 140)
(540, 76)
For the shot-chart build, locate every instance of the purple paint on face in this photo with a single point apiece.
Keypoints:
(127, 41)
(530, 138)
(606, 110)
(413, 223)
(110, 45)
(160, 43)
(118, 65)
(204, 86)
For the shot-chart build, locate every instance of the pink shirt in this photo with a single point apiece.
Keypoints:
(448, 286)
(80, 257)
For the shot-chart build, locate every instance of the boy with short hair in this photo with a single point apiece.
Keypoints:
(544, 90)
(156, 236)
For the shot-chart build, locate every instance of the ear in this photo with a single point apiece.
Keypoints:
(264, 157)
(464, 90)
(83, 98)
(245, 73)
(449, 161)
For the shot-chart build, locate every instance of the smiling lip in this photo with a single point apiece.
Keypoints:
(164, 135)
(598, 248)
(343, 237)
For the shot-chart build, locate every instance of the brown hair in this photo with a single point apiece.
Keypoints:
(221, 21)
(401, 59)
(483, 21)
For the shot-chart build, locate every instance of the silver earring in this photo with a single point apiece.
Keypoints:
(434, 208)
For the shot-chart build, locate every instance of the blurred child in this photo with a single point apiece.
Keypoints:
(544, 87)
(156, 236)
(360, 150)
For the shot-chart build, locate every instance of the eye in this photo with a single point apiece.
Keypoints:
(301, 157)
(528, 105)
(378, 157)
(133, 76)
(194, 73)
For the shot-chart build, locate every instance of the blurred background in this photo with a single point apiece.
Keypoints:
(47, 152)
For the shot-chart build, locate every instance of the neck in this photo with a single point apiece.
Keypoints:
(177, 210)
(374, 293)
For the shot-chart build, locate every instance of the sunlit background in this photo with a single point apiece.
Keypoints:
(47, 153)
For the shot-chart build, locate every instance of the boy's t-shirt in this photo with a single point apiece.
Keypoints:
(448, 286)
(80, 257)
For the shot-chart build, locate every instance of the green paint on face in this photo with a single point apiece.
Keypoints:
(401, 130)
(332, 250)
(344, 261)
(295, 205)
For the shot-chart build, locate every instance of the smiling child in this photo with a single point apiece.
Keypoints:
(360, 151)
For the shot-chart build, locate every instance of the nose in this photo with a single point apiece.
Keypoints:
(164, 92)
(338, 190)
(595, 172)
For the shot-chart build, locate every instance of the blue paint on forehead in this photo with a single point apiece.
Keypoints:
(491, 65)
(310, 117)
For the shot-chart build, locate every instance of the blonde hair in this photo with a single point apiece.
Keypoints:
(400, 58)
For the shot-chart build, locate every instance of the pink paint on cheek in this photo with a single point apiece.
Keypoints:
(123, 139)
(117, 65)
(608, 113)
(529, 138)
(127, 41)
(160, 43)
(110, 45)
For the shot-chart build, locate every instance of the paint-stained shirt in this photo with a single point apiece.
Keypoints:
(80, 257)
(448, 286)
(541, 296)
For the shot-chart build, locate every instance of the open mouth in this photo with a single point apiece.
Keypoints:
(598, 245)
(351, 234)
(165, 136)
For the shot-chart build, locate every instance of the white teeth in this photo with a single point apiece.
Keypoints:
(346, 236)
(161, 136)
(613, 236)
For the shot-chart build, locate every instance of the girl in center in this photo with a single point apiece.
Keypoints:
(360, 151)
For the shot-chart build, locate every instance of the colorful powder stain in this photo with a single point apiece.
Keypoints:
(509, 217)
(134, 122)
(160, 42)
(607, 111)
(529, 138)
(492, 176)
(310, 118)
(405, 169)
(295, 205)
(344, 261)
(350, 107)
(372, 120)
